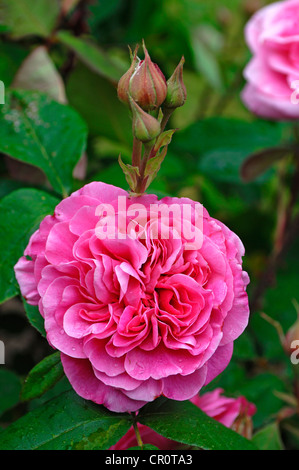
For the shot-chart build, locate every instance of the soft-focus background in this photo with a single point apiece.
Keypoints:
(79, 64)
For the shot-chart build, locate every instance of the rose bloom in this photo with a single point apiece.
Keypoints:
(135, 317)
(272, 35)
(234, 413)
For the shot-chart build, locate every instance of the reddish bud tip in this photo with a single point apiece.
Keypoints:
(123, 84)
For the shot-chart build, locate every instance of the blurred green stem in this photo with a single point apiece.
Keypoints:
(287, 226)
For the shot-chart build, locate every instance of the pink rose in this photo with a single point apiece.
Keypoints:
(233, 413)
(135, 314)
(273, 73)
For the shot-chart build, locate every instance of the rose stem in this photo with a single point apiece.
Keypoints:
(138, 437)
(136, 152)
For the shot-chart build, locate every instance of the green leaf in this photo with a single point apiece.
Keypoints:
(34, 317)
(228, 133)
(131, 173)
(261, 390)
(8, 186)
(145, 447)
(66, 423)
(43, 133)
(101, 10)
(164, 139)
(268, 438)
(10, 386)
(206, 61)
(153, 166)
(222, 165)
(186, 423)
(21, 213)
(92, 56)
(27, 18)
(11, 56)
(42, 377)
(219, 146)
(95, 98)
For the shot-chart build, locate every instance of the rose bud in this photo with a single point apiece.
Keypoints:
(291, 336)
(145, 126)
(148, 84)
(123, 84)
(176, 90)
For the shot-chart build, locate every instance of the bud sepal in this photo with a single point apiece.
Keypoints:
(145, 127)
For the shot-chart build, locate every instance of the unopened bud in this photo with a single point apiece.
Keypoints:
(145, 126)
(123, 84)
(148, 84)
(243, 423)
(176, 90)
(291, 337)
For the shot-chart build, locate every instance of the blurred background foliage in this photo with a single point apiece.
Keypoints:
(75, 51)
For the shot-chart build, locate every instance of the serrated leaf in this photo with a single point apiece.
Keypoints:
(260, 161)
(64, 423)
(21, 213)
(43, 133)
(186, 423)
(164, 139)
(42, 377)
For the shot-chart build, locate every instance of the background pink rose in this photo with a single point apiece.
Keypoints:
(273, 37)
(233, 413)
(134, 318)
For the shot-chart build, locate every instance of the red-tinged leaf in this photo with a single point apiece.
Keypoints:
(260, 161)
